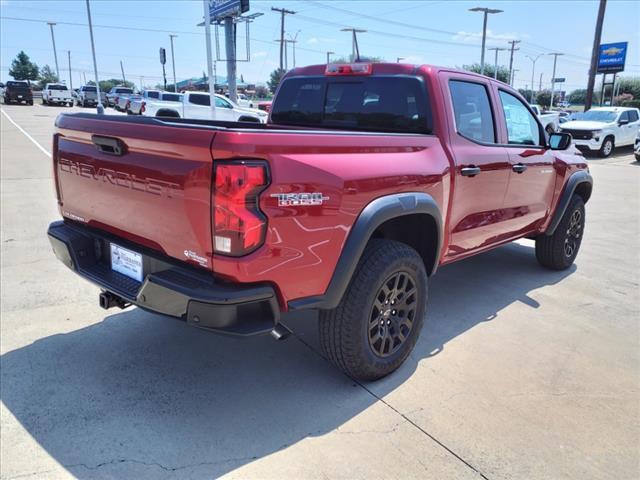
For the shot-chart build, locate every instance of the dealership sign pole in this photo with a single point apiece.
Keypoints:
(207, 29)
(100, 107)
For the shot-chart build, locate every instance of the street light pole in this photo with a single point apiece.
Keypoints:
(173, 62)
(55, 53)
(553, 77)
(328, 56)
(533, 69)
(70, 75)
(355, 51)
(486, 12)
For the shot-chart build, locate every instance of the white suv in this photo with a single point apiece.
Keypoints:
(601, 129)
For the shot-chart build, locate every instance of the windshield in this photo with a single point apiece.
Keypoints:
(89, 89)
(58, 87)
(599, 116)
(18, 84)
(124, 90)
(397, 104)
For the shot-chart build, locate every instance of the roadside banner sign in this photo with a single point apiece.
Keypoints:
(559, 80)
(611, 57)
(163, 56)
(219, 9)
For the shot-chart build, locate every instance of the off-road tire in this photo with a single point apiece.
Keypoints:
(606, 150)
(345, 330)
(553, 251)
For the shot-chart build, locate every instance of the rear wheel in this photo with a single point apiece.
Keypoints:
(607, 147)
(558, 251)
(378, 320)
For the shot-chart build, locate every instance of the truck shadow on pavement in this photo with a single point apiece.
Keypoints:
(141, 396)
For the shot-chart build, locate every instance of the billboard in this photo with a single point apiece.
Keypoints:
(611, 57)
(219, 9)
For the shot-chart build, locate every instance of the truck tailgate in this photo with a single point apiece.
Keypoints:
(150, 184)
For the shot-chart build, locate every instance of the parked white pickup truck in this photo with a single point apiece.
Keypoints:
(196, 105)
(550, 120)
(135, 105)
(603, 128)
(56, 94)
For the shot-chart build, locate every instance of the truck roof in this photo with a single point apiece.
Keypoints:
(613, 109)
(385, 69)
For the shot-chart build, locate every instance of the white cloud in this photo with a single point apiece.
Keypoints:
(259, 54)
(316, 40)
(476, 37)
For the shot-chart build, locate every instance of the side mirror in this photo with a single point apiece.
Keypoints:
(560, 141)
(623, 122)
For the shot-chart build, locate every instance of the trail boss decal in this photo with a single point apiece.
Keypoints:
(299, 199)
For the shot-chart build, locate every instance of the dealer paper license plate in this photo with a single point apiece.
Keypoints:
(126, 262)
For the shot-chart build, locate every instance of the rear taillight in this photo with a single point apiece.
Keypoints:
(348, 69)
(142, 105)
(239, 225)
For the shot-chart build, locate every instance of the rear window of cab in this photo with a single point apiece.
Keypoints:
(375, 103)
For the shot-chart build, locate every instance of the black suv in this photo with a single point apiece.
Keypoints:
(18, 91)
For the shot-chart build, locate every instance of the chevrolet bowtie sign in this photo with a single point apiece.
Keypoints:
(611, 57)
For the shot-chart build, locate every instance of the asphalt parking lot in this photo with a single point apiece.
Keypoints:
(519, 373)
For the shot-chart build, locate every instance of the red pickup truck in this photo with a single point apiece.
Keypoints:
(365, 180)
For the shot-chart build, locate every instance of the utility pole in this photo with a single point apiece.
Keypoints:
(230, 44)
(553, 76)
(84, 77)
(512, 81)
(355, 51)
(533, 69)
(70, 76)
(283, 12)
(594, 55)
(495, 63)
(124, 80)
(486, 12)
(540, 84)
(207, 31)
(293, 42)
(328, 56)
(513, 49)
(173, 62)
(55, 53)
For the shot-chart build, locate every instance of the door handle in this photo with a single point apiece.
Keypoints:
(519, 168)
(110, 145)
(471, 171)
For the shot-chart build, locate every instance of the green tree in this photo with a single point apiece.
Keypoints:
(526, 93)
(22, 68)
(503, 72)
(47, 75)
(106, 85)
(629, 85)
(577, 97)
(262, 91)
(544, 97)
(362, 60)
(275, 78)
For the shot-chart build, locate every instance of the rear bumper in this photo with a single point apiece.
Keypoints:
(168, 287)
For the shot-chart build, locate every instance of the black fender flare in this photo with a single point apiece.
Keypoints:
(579, 177)
(372, 216)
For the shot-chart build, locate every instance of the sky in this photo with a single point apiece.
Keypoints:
(421, 31)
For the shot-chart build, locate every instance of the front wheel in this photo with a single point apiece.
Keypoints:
(378, 321)
(606, 148)
(559, 250)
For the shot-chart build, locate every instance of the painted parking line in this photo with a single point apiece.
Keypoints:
(42, 149)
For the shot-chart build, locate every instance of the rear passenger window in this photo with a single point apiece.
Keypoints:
(472, 110)
(633, 115)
